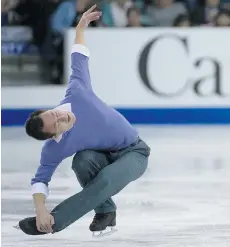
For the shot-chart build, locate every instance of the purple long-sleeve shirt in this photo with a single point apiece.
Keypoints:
(98, 126)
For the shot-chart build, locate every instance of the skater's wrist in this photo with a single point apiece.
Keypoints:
(79, 29)
(40, 209)
(79, 38)
(39, 202)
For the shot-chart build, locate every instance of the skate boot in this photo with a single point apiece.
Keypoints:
(103, 224)
(28, 226)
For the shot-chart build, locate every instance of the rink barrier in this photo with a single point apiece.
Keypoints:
(151, 76)
(157, 67)
(149, 116)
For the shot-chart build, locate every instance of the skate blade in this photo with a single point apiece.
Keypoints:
(17, 227)
(108, 231)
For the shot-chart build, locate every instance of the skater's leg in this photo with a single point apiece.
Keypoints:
(86, 165)
(108, 182)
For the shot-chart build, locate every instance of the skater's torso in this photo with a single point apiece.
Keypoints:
(97, 126)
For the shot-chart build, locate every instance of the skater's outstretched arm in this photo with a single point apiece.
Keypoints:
(80, 53)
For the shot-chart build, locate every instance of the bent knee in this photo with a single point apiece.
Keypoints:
(86, 160)
(82, 159)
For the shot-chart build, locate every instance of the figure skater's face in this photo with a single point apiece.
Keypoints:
(57, 121)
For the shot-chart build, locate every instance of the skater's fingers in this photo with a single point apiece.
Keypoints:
(41, 229)
(94, 16)
(43, 223)
(44, 227)
(91, 9)
(38, 225)
(48, 228)
(52, 220)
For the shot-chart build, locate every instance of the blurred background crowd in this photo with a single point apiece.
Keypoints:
(48, 19)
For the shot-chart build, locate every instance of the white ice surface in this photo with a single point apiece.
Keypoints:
(183, 199)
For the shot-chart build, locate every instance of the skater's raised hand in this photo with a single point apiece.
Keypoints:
(44, 221)
(88, 17)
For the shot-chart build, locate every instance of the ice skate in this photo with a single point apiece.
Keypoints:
(28, 226)
(103, 224)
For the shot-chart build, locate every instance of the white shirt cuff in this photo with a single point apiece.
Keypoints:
(81, 49)
(40, 188)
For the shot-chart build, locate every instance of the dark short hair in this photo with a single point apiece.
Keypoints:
(34, 126)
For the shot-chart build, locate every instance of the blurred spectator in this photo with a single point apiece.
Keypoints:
(164, 12)
(133, 16)
(6, 11)
(206, 13)
(222, 19)
(143, 6)
(115, 13)
(182, 21)
(191, 4)
(68, 14)
(65, 16)
(225, 4)
(49, 19)
(35, 14)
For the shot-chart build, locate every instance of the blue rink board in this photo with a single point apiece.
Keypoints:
(17, 117)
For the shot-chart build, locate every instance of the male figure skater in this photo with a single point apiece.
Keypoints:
(108, 152)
